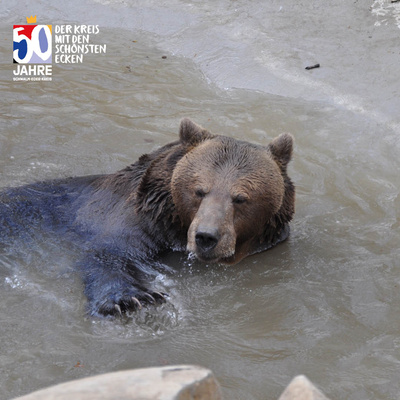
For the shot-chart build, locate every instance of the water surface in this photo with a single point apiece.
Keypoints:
(326, 302)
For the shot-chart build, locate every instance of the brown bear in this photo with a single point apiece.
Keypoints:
(218, 198)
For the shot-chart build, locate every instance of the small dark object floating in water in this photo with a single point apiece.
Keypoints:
(316, 65)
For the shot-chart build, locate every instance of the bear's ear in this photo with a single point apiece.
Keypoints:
(192, 134)
(281, 149)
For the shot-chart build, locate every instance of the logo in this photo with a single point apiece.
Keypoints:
(33, 48)
(32, 44)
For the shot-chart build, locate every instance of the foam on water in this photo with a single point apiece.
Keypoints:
(386, 12)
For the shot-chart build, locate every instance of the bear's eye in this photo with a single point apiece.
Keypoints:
(239, 199)
(200, 193)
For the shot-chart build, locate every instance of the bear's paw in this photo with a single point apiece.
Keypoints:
(132, 299)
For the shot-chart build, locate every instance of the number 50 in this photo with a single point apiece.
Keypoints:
(40, 44)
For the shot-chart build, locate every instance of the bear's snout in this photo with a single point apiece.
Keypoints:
(211, 235)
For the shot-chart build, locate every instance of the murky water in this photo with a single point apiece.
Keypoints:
(326, 303)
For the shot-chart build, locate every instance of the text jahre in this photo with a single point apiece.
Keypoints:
(33, 70)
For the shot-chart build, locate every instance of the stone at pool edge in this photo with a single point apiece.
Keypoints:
(300, 388)
(181, 382)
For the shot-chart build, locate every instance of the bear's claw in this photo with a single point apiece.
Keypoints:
(150, 298)
(118, 308)
(137, 302)
(161, 296)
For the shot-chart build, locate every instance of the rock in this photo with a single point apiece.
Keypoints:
(300, 388)
(181, 382)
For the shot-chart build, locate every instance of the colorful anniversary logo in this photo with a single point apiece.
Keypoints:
(32, 44)
(34, 54)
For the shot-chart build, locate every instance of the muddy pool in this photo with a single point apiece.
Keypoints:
(326, 303)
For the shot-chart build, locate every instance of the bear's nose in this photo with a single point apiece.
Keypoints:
(206, 240)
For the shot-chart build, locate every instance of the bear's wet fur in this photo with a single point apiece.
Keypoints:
(219, 198)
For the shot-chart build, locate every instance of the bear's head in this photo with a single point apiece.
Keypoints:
(233, 197)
